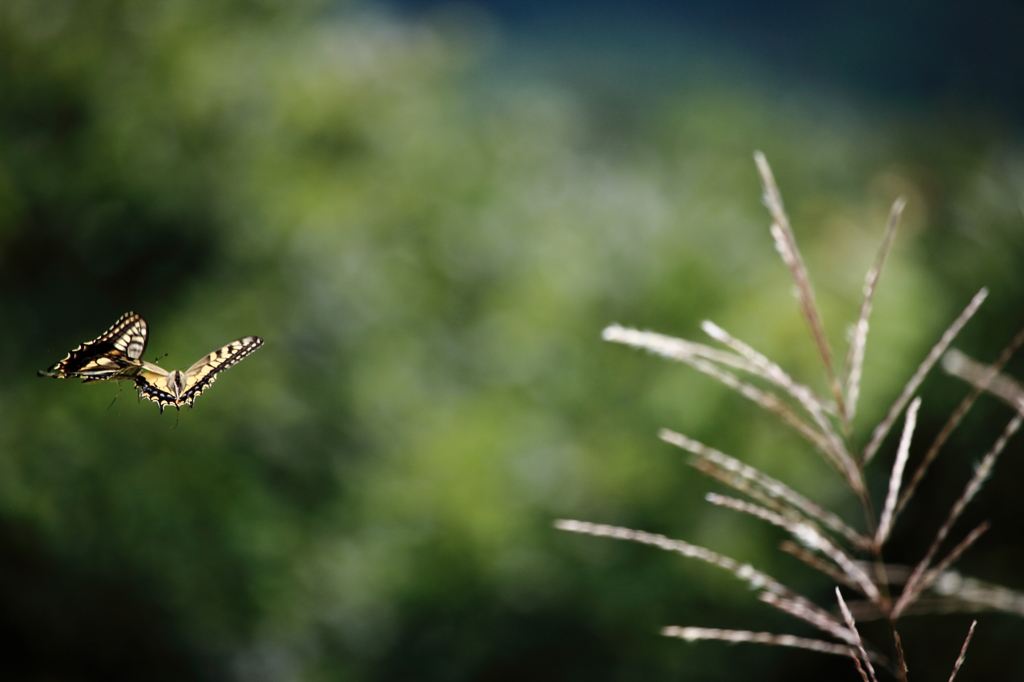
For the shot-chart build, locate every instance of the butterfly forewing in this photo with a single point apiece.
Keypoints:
(115, 355)
(179, 388)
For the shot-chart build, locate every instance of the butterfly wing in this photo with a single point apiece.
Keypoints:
(115, 355)
(154, 383)
(203, 373)
(179, 388)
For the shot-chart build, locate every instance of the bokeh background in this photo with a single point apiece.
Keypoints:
(429, 211)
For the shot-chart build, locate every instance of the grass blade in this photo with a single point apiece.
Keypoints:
(855, 356)
(936, 352)
(785, 244)
(888, 512)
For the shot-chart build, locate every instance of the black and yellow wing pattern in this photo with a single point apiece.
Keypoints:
(179, 388)
(115, 355)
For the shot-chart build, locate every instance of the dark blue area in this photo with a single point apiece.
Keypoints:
(961, 56)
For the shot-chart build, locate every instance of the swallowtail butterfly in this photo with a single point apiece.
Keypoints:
(179, 388)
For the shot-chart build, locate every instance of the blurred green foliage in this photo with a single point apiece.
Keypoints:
(430, 253)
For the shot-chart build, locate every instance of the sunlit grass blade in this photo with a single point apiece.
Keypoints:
(757, 580)
(973, 595)
(772, 487)
(693, 634)
(817, 563)
(936, 352)
(986, 377)
(954, 420)
(855, 355)
(888, 512)
(675, 348)
(963, 652)
(982, 472)
(947, 592)
(868, 671)
(680, 350)
(785, 244)
(802, 394)
(769, 370)
(943, 566)
(809, 613)
(807, 535)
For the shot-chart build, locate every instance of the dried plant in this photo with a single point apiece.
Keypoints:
(821, 539)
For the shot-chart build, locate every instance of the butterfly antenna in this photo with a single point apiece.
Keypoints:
(119, 387)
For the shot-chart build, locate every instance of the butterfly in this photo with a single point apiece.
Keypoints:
(115, 355)
(179, 388)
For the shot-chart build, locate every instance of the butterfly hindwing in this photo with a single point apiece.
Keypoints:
(114, 355)
(178, 387)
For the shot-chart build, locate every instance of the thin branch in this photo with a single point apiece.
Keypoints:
(694, 355)
(952, 593)
(943, 566)
(947, 429)
(785, 244)
(674, 348)
(742, 485)
(692, 634)
(769, 370)
(888, 512)
(913, 587)
(864, 611)
(892, 574)
(900, 656)
(936, 352)
(804, 395)
(776, 489)
(954, 420)
(771, 402)
(855, 356)
(680, 350)
(986, 377)
(817, 563)
(860, 644)
(745, 572)
(799, 608)
(963, 652)
(860, 669)
(974, 595)
(807, 536)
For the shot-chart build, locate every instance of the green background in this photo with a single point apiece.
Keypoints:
(430, 244)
